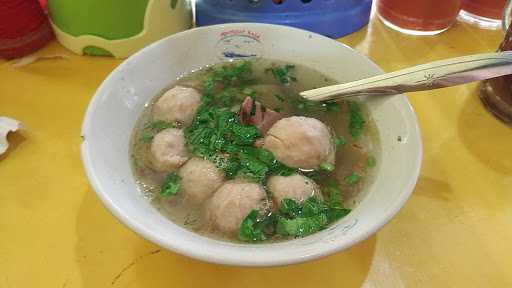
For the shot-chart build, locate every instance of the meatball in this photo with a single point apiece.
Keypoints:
(297, 187)
(199, 179)
(300, 142)
(179, 104)
(232, 202)
(168, 151)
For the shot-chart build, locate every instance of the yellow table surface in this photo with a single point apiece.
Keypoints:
(455, 230)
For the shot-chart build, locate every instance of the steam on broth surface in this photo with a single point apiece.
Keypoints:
(232, 152)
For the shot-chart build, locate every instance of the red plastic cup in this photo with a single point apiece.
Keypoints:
(418, 17)
(483, 13)
(24, 28)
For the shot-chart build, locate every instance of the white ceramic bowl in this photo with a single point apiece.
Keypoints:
(119, 101)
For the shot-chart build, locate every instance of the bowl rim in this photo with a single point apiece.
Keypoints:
(147, 234)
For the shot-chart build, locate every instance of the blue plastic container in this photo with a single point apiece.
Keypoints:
(333, 18)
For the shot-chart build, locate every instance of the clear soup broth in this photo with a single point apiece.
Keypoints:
(248, 93)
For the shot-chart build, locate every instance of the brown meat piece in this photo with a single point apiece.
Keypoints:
(263, 120)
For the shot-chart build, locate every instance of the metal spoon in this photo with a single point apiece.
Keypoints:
(433, 75)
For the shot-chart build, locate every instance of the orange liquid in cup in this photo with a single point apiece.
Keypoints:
(419, 15)
(485, 8)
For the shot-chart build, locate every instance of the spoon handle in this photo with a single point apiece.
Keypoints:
(433, 75)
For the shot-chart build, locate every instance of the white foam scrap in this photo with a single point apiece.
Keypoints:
(27, 60)
(7, 125)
